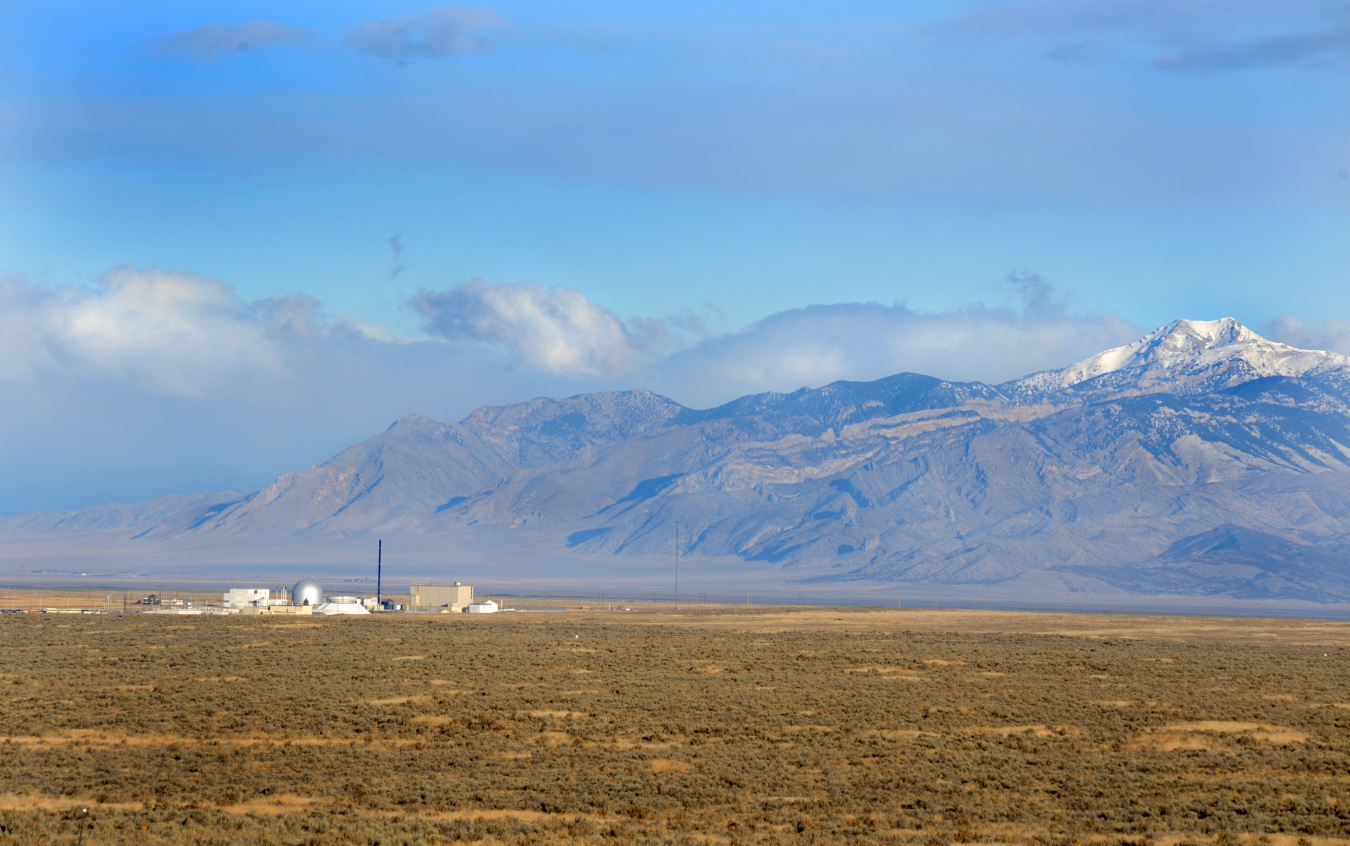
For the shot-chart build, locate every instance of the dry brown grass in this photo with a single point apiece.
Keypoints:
(757, 726)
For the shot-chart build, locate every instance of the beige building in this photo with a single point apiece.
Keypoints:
(456, 597)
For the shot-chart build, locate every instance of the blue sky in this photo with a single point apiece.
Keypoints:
(218, 264)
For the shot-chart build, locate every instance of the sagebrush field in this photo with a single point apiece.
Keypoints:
(714, 726)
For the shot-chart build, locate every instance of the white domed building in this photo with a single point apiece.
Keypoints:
(307, 592)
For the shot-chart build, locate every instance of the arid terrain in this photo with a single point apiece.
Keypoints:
(716, 725)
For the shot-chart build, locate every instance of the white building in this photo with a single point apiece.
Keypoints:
(487, 606)
(333, 607)
(243, 597)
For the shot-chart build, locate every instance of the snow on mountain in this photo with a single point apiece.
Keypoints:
(1183, 355)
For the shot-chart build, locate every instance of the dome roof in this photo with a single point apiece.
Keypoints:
(306, 592)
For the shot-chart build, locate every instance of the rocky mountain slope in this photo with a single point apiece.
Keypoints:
(1200, 460)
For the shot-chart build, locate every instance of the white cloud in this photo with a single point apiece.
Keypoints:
(555, 330)
(159, 332)
(1331, 335)
(439, 32)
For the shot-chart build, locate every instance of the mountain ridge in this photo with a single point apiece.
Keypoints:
(1105, 471)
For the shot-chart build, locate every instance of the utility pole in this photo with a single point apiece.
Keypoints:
(677, 566)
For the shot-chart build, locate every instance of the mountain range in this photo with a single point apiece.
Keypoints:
(1202, 460)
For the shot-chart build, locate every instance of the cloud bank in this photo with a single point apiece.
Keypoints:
(183, 335)
(1325, 47)
(812, 346)
(1331, 335)
(561, 332)
(214, 41)
(1199, 36)
(437, 33)
(708, 119)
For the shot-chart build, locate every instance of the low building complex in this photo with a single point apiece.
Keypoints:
(308, 597)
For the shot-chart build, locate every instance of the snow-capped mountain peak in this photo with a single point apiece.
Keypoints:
(1185, 352)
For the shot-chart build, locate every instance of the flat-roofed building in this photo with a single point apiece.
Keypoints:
(456, 597)
(240, 597)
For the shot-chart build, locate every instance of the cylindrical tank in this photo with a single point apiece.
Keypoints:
(306, 592)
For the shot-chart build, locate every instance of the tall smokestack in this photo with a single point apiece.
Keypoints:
(379, 572)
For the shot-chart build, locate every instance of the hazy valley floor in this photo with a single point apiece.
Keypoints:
(718, 725)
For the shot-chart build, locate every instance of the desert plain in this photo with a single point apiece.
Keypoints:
(716, 724)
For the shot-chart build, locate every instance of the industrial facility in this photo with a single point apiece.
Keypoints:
(308, 597)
